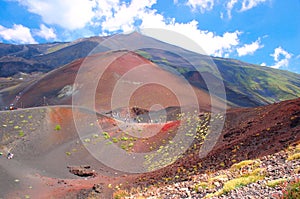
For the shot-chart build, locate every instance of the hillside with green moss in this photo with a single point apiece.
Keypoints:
(246, 85)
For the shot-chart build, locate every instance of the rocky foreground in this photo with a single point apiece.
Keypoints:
(266, 177)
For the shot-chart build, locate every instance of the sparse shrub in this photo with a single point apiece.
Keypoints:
(123, 146)
(124, 138)
(244, 180)
(274, 183)
(130, 144)
(203, 185)
(57, 127)
(87, 140)
(106, 135)
(220, 177)
(295, 156)
(242, 164)
(17, 127)
(115, 140)
(21, 133)
(120, 194)
(292, 190)
(239, 182)
(222, 164)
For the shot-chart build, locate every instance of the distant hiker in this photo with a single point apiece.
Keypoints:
(10, 155)
(12, 107)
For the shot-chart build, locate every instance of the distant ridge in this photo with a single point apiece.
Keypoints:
(246, 85)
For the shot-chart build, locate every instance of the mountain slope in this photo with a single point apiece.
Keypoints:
(245, 84)
(42, 57)
(124, 79)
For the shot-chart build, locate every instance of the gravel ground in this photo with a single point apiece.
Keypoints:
(272, 167)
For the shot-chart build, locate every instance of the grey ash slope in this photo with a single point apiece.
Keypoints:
(42, 57)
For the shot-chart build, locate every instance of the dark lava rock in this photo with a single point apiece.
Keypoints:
(82, 171)
(98, 188)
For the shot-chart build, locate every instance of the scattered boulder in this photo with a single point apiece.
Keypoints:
(82, 171)
(98, 188)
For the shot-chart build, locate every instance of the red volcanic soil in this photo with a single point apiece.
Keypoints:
(247, 134)
(111, 80)
(162, 132)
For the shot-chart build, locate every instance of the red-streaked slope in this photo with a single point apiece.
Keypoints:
(120, 79)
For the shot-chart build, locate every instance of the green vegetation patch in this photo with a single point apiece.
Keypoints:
(241, 181)
(21, 133)
(106, 135)
(295, 156)
(144, 54)
(292, 190)
(244, 163)
(57, 127)
(274, 183)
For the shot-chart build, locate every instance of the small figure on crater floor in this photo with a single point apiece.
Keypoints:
(10, 155)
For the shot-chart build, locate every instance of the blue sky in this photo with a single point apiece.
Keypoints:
(264, 32)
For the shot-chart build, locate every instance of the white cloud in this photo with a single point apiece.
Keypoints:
(249, 4)
(69, 14)
(212, 44)
(111, 15)
(229, 6)
(263, 64)
(245, 5)
(46, 33)
(17, 34)
(281, 58)
(125, 15)
(203, 5)
(119, 16)
(249, 49)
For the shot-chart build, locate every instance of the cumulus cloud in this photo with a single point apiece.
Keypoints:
(203, 5)
(115, 16)
(249, 49)
(69, 14)
(281, 58)
(212, 44)
(111, 15)
(263, 64)
(17, 34)
(125, 15)
(46, 33)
